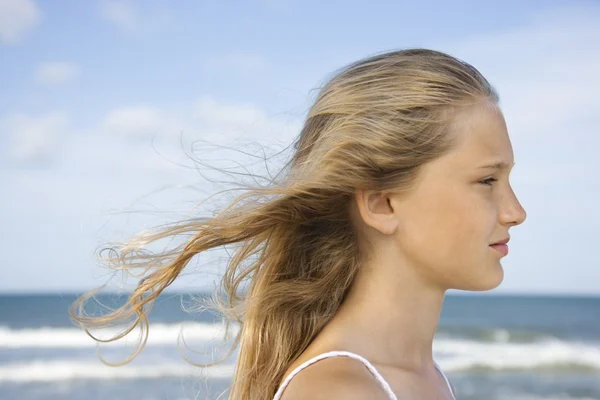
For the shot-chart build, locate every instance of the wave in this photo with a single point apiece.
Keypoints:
(564, 396)
(158, 334)
(453, 356)
(494, 334)
(65, 370)
(547, 354)
(163, 334)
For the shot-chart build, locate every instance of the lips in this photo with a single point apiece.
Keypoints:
(504, 241)
(502, 248)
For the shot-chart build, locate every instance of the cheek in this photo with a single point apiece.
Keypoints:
(448, 226)
(464, 220)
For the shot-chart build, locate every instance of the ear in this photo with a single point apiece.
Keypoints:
(376, 210)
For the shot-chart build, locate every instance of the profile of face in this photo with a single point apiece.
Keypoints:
(461, 206)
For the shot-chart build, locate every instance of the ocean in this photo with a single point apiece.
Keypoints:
(490, 347)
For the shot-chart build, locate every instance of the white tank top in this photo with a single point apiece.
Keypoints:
(370, 366)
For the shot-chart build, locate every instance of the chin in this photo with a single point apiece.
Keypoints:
(493, 281)
(486, 282)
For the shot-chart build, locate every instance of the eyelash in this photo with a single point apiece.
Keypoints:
(484, 182)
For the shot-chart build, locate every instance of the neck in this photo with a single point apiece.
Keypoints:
(390, 316)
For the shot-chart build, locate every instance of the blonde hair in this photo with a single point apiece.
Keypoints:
(372, 126)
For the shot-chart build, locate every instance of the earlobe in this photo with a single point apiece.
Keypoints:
(391, 224)
(388, 227)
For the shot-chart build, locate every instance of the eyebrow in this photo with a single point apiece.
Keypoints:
(498, 165)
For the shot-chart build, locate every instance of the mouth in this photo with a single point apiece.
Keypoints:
(502, 248)
(503, 241)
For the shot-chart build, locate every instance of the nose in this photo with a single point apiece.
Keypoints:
(513, 212)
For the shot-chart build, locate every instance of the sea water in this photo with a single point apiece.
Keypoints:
(489, 346)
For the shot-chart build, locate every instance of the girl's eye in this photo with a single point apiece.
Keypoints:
(488, 181)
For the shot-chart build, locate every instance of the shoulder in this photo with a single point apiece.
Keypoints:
(334, 378)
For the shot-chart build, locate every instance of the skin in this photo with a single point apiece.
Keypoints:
(433, 239)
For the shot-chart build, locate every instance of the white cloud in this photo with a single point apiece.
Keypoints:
(207, 119)
(56, 73)
(141, 139)
(33, 139)
(122, 13)
(17, 17)
(151, 135)
(136, 122)
(130, 17)
(237, 120)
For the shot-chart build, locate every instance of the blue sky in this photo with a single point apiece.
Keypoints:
(101, 100)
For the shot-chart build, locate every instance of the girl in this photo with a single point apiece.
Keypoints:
(398, 191)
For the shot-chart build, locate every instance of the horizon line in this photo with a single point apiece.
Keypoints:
(72, 292)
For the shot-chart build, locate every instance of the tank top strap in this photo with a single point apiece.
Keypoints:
(386, 387)
(437, 366)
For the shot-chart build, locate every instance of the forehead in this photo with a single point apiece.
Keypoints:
(481, 138)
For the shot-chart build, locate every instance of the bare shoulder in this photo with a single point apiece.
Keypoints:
(334, 378)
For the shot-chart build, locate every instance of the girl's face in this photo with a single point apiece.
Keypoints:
(461, 207)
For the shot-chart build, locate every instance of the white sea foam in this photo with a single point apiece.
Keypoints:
(556, 397)
(460, 355)
(158, 334)
(452, 354)
(64, 370)
(457, 356)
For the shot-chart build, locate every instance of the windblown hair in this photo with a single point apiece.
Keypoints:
(372, 126)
